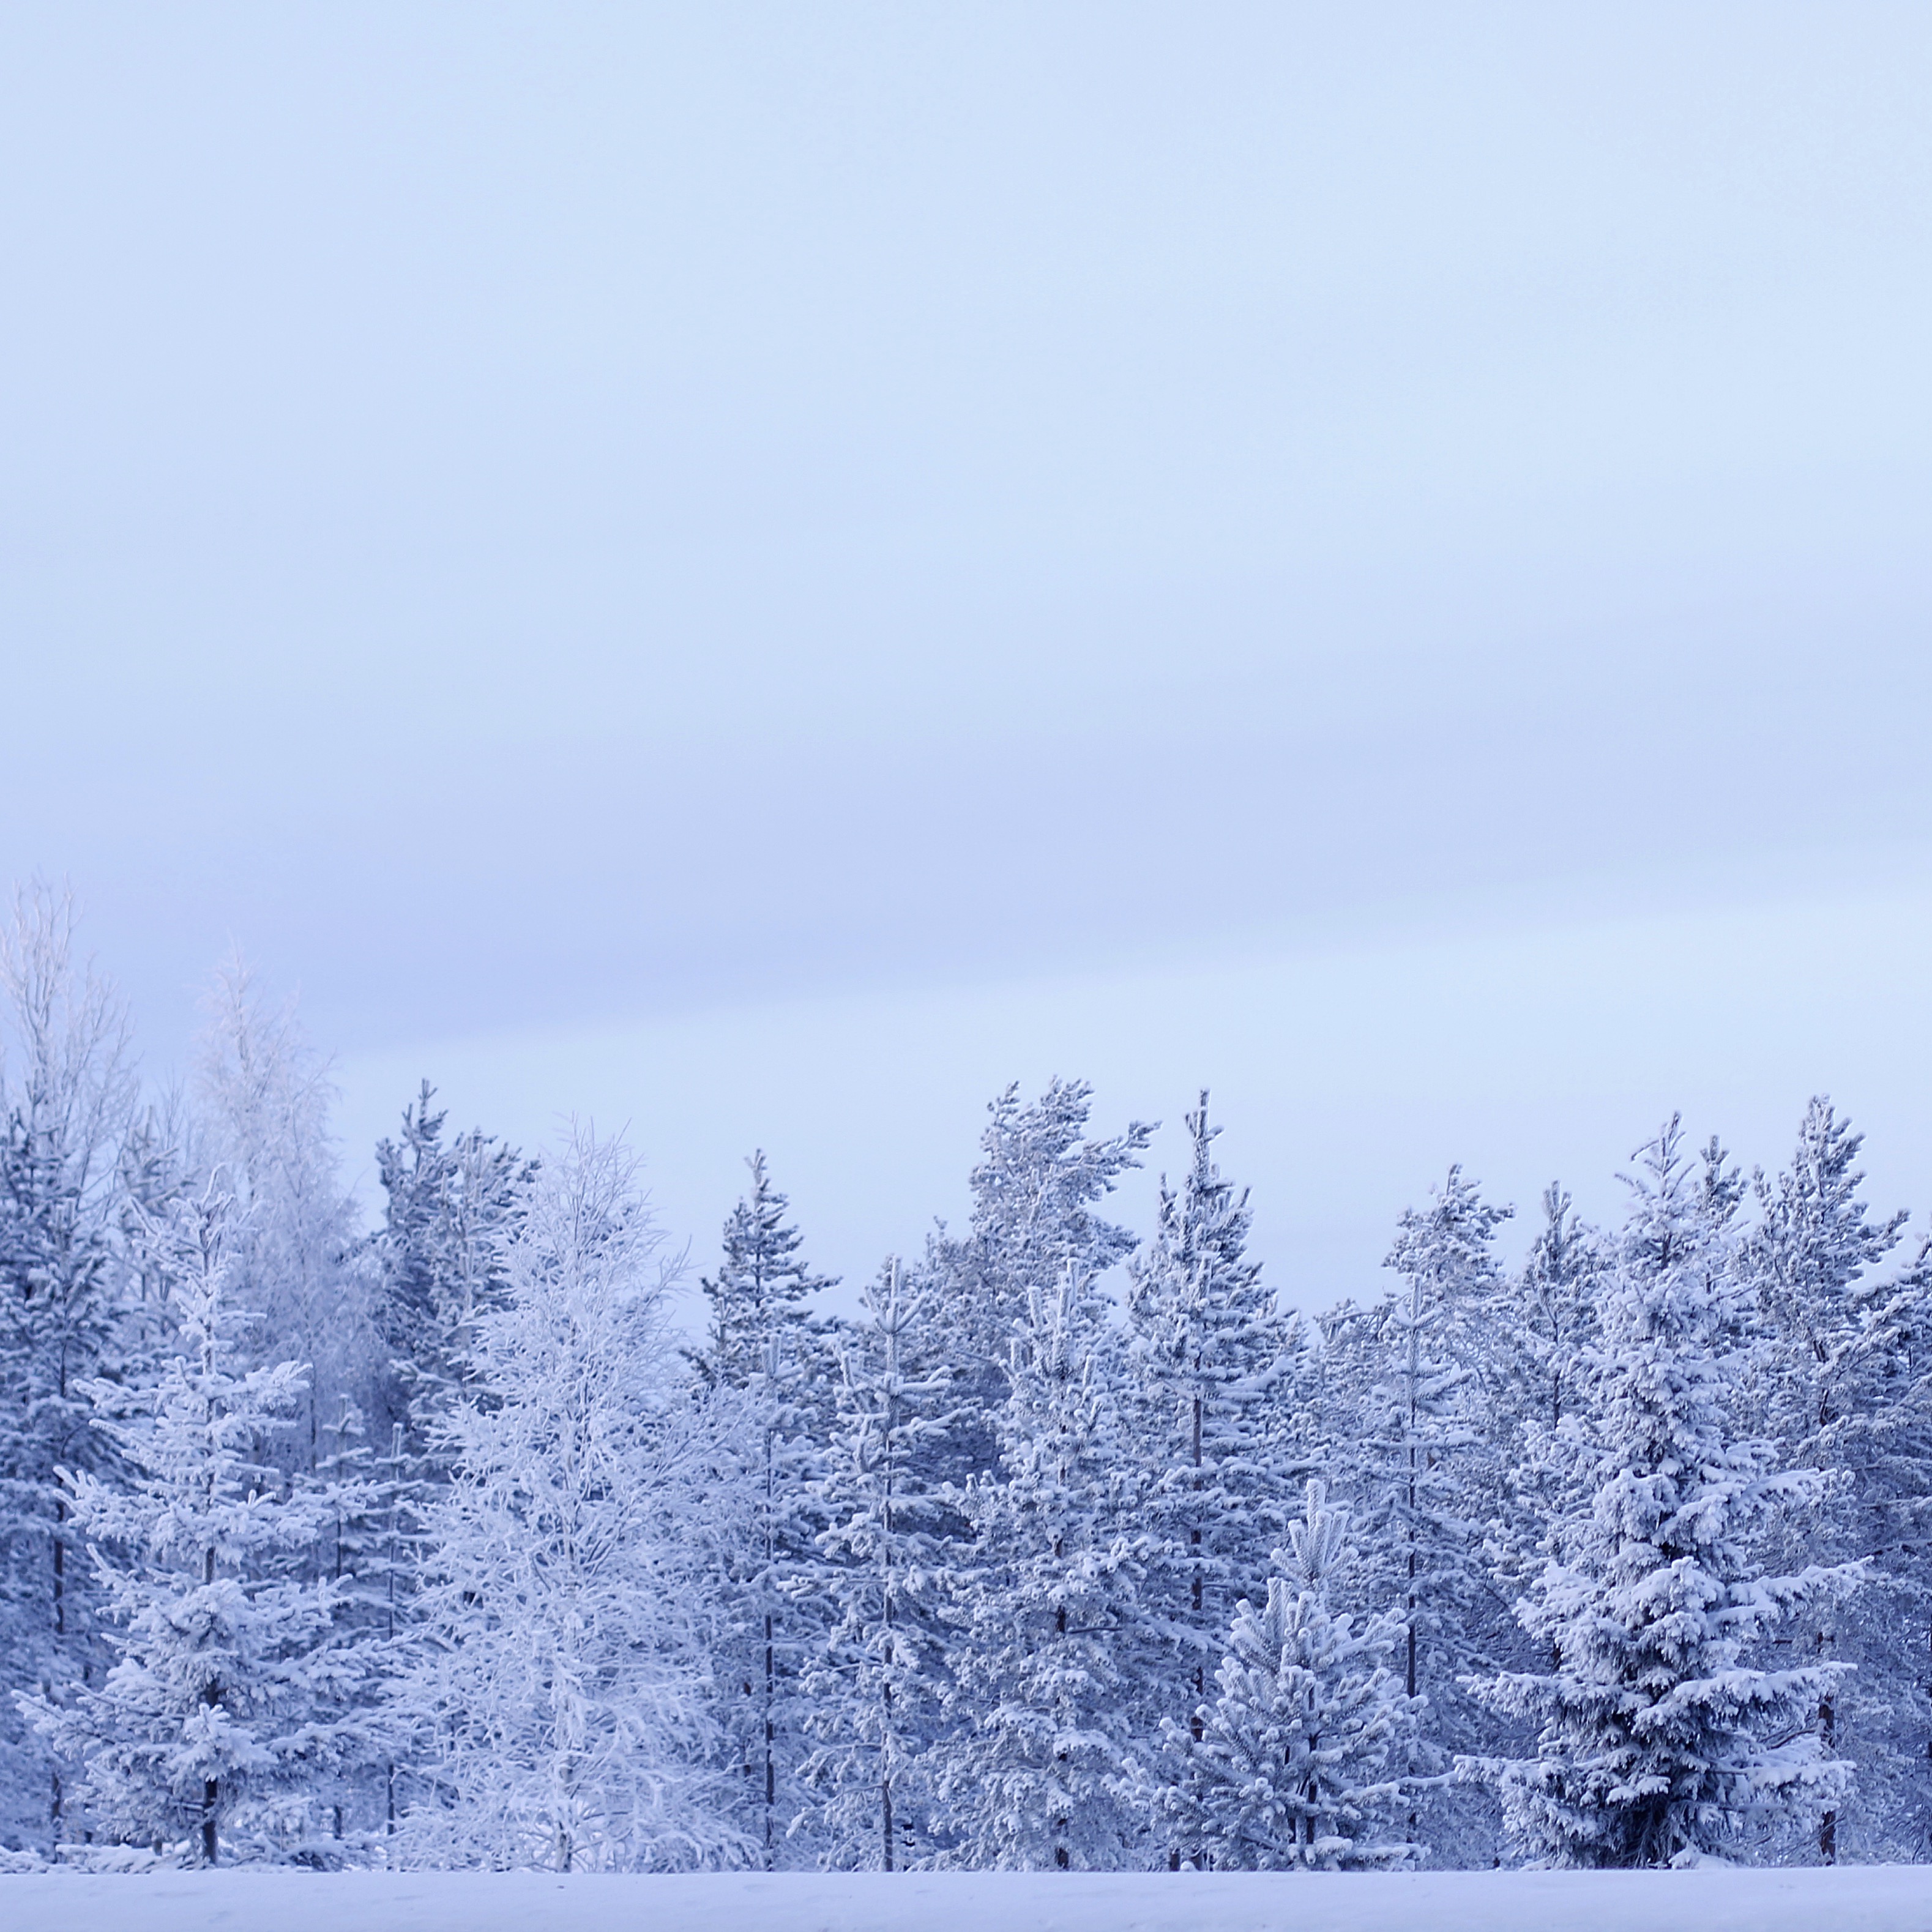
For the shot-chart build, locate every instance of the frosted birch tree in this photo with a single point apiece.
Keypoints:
(265, 1096)
(67, 1100)
(562, 1694)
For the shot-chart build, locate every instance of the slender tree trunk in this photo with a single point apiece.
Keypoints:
(771, 1732)
(395, 1503)
(1199, 1593)
(60, 1517)
(889, 1461)
(1415, 1416)
(1415, 1412)
(771, 1674)
(60, 1569)
(1828, 1736)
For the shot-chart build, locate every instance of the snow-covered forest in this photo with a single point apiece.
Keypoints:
(450, 1541)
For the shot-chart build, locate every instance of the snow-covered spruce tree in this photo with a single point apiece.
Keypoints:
(1219, 1426)
(1828, 1383)
(871, 1694)
(766, 1342)
(450, 1208)
(1298, 1763)
(560, 1692)
(235, 1692)
(1040, 1771)
(264, 1097)
(67, 1094)
(763, 1289)
(1658, 1742)
(1412, 1453)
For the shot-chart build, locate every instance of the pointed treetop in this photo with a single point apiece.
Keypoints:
(763, 1289)
(1317, 1542)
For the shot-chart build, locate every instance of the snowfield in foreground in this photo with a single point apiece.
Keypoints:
(1871, 1898)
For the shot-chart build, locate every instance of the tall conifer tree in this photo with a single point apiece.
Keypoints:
(1220, 1428)
(1044, 1771)
(872, 1694)
(451, 1207)
(1658, 1740)
(237, 1693)
(1409, 1447)
(766, 1342)
(1036, 1190)
(1831, 1398)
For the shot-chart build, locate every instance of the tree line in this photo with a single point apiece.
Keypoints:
(442, 1544)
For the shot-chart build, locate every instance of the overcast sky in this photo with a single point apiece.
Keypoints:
(760, 571)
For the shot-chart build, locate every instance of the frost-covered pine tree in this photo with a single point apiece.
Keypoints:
(236, 1692)
(1299, 1763)
(766, 1343)
(1541, 1322)
(1041, 1772)
(1409, 1447)
(1814, 1246)
(1659, 1740)
(1532, 1341)
(1828, 1376)
(1219, 1427)
(560, 1692)
(67, 1095)
(872, 1693)
(1035, 1190)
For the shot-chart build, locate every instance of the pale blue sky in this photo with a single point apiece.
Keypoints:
(724, 565)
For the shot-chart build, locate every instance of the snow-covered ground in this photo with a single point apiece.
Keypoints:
(1871, 1898)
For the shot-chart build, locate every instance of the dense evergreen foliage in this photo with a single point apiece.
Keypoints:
(439, 1543)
